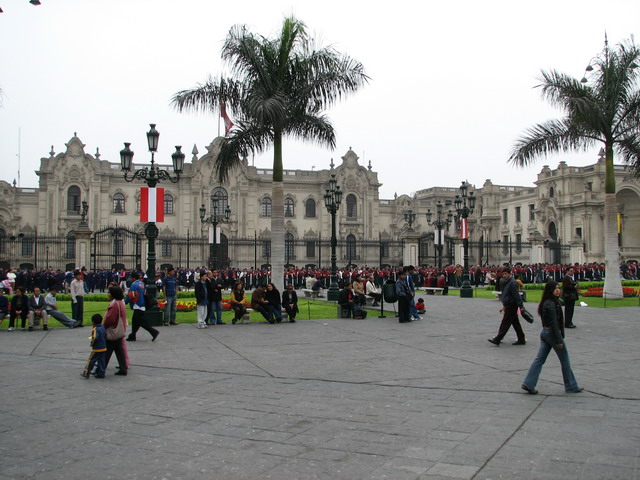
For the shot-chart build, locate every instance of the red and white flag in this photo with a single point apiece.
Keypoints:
(228, 124)
(151, 204)
(464, 228)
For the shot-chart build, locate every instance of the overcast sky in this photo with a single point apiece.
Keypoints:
(452, 83)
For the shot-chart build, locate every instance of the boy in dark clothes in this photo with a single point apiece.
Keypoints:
(98, 348)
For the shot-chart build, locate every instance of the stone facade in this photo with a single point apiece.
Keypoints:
(564, 207)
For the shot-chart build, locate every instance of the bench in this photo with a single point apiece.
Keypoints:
(245, 317)
(434, 290)
(309, 293)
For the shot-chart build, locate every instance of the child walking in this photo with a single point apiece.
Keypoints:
(98, 348)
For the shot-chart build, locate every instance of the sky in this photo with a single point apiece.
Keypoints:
(452, 83)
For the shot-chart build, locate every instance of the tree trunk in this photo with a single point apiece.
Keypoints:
(612, 280)
(277, 216)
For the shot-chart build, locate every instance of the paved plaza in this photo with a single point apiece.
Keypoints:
(327, 399)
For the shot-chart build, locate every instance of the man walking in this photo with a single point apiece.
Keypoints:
(511, 301)
(170, 291)
(137, 302)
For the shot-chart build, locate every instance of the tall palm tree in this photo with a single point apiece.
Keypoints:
(279, 87)
(603, 107)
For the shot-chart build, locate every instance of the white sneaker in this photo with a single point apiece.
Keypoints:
(10, 329)
(202, 325)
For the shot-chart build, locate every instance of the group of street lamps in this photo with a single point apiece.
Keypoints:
(152, 175)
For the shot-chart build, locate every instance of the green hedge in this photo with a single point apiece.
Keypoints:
(582, 286)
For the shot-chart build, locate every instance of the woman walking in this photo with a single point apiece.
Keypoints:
(115, 322)
(552, 337)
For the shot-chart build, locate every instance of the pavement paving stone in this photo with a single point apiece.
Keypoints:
(333, 399)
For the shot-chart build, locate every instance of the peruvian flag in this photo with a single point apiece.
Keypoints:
(464, 228)
(151, 204)
(228, 124)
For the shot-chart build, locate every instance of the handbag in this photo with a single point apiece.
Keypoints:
(526, 315)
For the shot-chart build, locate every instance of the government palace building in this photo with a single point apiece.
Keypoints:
(559, 219)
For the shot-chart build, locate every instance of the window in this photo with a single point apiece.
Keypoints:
(3, 241)
(223, 200)
(505, 215)
(288, 247)
(384, 249)
(518, 219)
(27, 246)
(118, 247)
(73, 199)
(310, 208)
(288, 207)
(352, 211)
(166, 248)
(168, 205)
(266, 248)
(448, 203)
(518, 242)
(532, 212)
(579, 232)
(118, 203)
(70, 250)
(351, 247)
(505, 243)
(265, 207)
(311, 249)
(552, 192)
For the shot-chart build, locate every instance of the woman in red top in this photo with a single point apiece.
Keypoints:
(116, 313)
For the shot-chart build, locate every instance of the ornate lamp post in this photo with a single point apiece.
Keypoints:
(152, 176)
(214, 219)
(464, 206)
(332, 200)
(441, 224)
(410, 218)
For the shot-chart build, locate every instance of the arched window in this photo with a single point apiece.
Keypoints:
(3, 241)
(352, 210)
(552, 192)
(310, 208)
(118, 203)
(168, 204)
(288, 207)
(70, 246)
(351, 248)
(222, 197)
(265, 207)
(288, 248)
(73, 199)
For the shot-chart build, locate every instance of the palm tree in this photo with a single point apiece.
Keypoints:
(279, 87)
(603, 107)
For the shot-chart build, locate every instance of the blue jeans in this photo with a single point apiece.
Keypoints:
(216, 311)
(276, 312)
(547, 343)
(170, 310)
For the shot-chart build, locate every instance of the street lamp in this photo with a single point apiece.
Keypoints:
(440, 223)
(214, 219)
(464, 206)
(332, 199)
(151, 176)
(410, 218)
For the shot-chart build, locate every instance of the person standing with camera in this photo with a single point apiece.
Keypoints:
(570, 297)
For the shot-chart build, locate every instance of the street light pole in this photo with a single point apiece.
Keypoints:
(440, 223)
(332, 200)
(214, 219)
(151, 176)
(464, 206)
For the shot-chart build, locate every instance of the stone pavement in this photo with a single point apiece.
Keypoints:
(327, 399)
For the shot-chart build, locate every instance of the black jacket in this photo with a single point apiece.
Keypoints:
(553, 319)
(510, 294)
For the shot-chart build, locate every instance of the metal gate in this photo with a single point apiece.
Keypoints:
(116, 246)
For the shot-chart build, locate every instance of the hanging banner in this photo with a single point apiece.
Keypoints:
(215, 239)
(151, 204)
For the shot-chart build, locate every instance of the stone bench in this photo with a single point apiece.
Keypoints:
(245, 317)
(308, 293)
(434, 290)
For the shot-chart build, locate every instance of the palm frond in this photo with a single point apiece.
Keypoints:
(317, 128)
(244, 139)
(629, 151)
(550, 137)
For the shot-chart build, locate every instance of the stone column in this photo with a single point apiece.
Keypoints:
(577, 251)
(83, 246)
(411, 248)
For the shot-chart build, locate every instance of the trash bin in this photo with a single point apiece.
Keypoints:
(389, 292)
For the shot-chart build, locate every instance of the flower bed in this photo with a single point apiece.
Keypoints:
(597, 292)
(180, 306)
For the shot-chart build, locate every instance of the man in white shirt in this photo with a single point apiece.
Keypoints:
(77, 298)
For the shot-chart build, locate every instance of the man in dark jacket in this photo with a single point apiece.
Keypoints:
(259, 304)
(290, 302)
(511, 301)
(37, 309)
